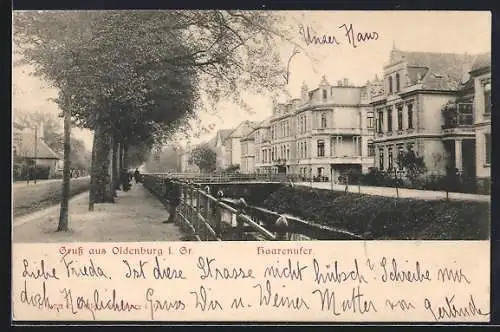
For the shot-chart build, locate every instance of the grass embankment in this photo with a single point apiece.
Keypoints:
(385, 218)
(33, 197)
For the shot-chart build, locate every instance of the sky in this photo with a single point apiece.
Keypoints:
(426, 31)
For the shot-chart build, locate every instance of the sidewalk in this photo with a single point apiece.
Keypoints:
(136, 216)
(403, 192)
(40, 181)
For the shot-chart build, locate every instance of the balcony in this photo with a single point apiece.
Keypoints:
(279, 162)
(337, 131)
(458, 119)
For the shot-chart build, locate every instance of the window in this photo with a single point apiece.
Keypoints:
(389, 120)
(487, 146)
(390, 84)
(389, 155)
(397, 82)
(321, 148)
(400, 155)
(371, 149)
(336, 144)
(287, 157)
(400, 118)
(323, 120)
(370, 120)
(356, 140)
(465, 116)
(324, 95)
(381, 159)
(305, 150)
(487, 98)
(410, 116)
(380, 122)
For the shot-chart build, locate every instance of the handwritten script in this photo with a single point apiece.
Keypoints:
(344, 34)
(234, 281)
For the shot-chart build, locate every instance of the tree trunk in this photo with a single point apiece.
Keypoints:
(118, 165)
(100, 164)
(114, 165)
(109, 188)
(63, 214)
(125, 156)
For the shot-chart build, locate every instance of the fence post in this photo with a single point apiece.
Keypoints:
(396, 182)
(218, 215)
(281, 228)
(346, 183)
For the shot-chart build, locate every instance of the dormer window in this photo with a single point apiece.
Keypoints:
(324, 94)
(390, 84)
(398, 86)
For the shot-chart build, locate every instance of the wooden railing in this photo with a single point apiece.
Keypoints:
(207, 217)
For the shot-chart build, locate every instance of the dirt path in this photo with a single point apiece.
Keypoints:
(136, 216)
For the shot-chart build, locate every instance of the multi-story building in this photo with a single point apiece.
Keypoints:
(327, 132)
(481, 77)
(408, 110)
(247, 165)
(262, 146)
(234, 143)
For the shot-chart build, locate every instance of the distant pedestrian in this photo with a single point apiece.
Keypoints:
(137, 176)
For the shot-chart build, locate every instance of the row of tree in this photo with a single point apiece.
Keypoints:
(136, 77)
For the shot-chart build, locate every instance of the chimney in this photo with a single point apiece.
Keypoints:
(346, 82)
(339, 83)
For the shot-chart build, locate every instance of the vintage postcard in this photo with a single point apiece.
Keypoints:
(257, 166)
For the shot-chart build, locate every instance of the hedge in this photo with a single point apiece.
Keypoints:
(383, 218)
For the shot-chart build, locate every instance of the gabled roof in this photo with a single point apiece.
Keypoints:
(223, 134)
(25, 147)
(243, 129)
(437, 71)
(481, 61)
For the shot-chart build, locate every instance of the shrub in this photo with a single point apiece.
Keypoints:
(385, 217)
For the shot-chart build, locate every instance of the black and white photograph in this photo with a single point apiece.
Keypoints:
(258, 125)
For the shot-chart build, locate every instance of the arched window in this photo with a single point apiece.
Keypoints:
(323, 120)
(390, 84)
(398, 86)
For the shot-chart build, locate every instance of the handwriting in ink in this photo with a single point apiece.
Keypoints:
(269, 298)
(76, 306)
(355, 38)
(287, 75)
(452, 310)
(286, 272)
(203, 302)
(90, 270)
(447, 274)
(209, 271)
(39, 272)
(162, 304)
(337, 275)
(38, 300)
(238, 303)
(316, 39)
(394, 273)
(98, 302)
(135, 273)
(402, 304)
(355, 304)
(160, 272)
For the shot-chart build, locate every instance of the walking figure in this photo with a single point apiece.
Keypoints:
(137, 176)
